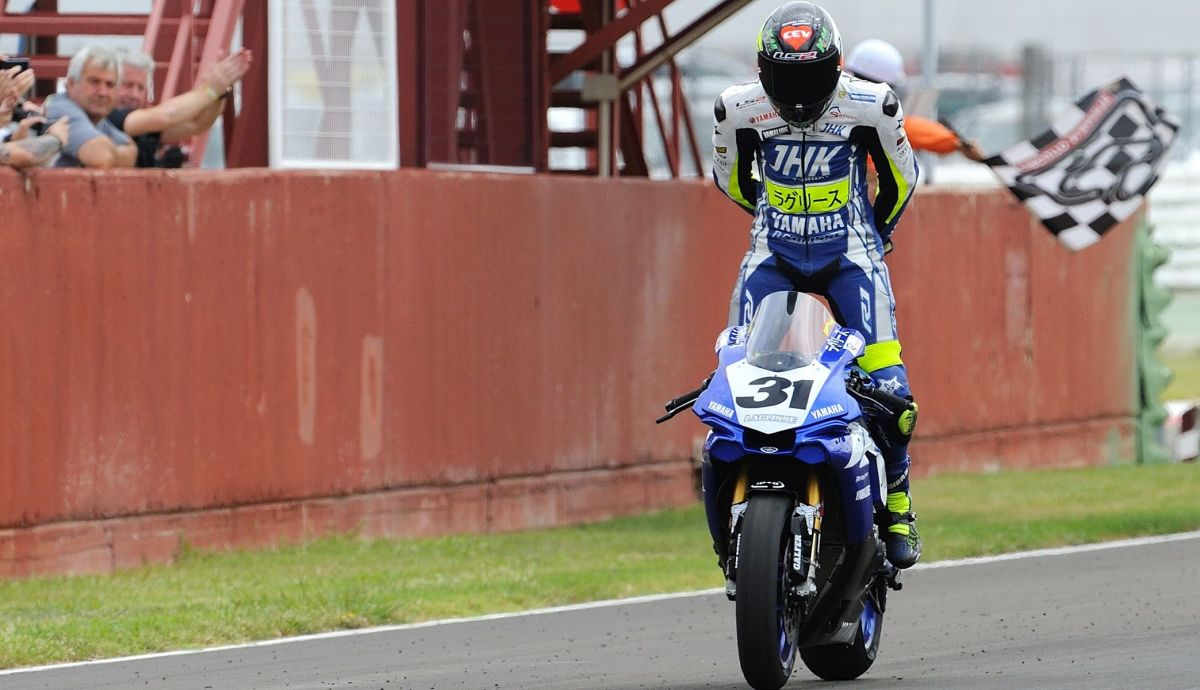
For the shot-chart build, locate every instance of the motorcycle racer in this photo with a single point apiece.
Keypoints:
(791, 149)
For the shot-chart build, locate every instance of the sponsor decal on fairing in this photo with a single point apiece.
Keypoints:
(720, 409)
(826, 411)
(769, 401)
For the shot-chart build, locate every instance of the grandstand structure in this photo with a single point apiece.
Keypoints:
(475, 81)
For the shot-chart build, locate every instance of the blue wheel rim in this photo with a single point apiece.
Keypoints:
(868, 622)
(787, 649)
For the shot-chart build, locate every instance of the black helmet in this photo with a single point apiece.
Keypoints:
(799, 61)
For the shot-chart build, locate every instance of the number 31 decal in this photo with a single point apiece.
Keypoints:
(774, 388)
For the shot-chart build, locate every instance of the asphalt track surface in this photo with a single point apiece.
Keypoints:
(1122, 616)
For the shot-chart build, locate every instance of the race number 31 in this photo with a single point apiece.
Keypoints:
(773, 390)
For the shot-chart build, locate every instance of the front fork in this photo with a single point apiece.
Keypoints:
(805, 528)
(806, 531)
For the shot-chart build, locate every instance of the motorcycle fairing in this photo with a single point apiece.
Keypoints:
(803, 414)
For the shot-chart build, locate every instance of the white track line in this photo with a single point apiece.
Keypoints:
(1060, 551)
(981, 560)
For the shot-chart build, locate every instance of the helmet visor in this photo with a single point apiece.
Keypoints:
(801, 115)
(802, 85)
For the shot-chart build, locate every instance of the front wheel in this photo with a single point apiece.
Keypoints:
(766, 627)
(848, 661)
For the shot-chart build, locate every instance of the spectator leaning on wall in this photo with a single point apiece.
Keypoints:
(18, 149)
(94, 142)
(176, 119)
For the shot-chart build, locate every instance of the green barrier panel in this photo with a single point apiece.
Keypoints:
(1152, 376)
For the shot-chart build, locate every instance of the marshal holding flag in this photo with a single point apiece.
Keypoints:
(1091, 170)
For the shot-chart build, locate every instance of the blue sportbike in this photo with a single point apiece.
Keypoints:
(793, 480)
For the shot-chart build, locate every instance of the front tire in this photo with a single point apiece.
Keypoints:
(766, 629)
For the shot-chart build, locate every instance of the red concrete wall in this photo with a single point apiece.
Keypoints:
(246, 356)
(1019, 350)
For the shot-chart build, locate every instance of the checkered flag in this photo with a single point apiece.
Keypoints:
(1092, 168)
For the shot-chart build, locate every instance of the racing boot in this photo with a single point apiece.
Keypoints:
(901, 538)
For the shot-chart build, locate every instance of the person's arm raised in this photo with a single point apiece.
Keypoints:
(189, 106)
(232, 69)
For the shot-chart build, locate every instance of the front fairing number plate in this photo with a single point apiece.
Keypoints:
(770, 401)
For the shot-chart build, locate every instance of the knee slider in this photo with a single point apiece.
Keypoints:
(893, 424)
(882, 361)
(904, 422)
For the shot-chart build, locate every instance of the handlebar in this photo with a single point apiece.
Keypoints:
(858, 384)
(888, 400)
(681, 403)
(862, 387)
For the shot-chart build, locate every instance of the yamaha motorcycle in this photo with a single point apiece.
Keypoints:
(795, 473)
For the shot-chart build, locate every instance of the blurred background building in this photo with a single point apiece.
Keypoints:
(1005, 71)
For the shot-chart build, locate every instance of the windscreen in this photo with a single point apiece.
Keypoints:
(788, 331)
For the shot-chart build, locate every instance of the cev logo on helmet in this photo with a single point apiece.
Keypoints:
(796, 35)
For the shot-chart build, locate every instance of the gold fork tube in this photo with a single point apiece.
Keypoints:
(739, 489)
(814, 498)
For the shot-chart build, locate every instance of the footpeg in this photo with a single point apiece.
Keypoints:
(891, 575)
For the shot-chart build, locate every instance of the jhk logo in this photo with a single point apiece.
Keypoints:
(836, 130)
(803, 161)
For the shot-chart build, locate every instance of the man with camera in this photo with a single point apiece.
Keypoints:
(18, 120)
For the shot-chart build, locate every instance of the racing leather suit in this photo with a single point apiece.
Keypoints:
(815, 228)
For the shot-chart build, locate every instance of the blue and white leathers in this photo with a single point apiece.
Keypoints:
(815, 227)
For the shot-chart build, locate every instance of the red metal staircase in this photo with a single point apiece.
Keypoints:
(478, 79)
(627, 96)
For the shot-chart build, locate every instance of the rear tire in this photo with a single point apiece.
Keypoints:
(766, 631)
(848, 661)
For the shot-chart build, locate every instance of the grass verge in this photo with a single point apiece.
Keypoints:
(208, 599)
(1185, 375)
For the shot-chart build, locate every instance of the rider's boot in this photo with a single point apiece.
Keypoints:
(901, 538)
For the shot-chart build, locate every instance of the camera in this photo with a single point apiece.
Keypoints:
(20, 113)
(22, 62)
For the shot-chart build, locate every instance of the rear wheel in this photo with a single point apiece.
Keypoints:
(766, 625)
(848, 661)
